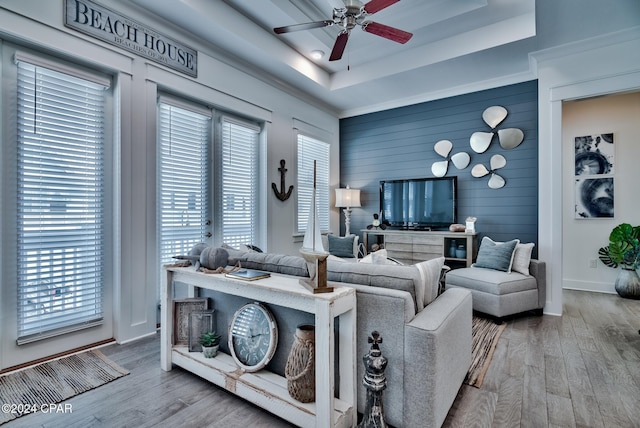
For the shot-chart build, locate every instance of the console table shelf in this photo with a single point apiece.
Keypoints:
(263, 388)
(223, 372)
(409, 246)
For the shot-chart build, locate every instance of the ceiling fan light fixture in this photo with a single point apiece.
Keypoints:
(317, 54)
(348, 17)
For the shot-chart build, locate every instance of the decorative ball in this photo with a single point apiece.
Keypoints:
(197, 249)
(213, 258)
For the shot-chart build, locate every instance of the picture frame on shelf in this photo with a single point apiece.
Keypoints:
(200, 322)
(181, 310)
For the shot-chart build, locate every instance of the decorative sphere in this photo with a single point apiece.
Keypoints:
(213, 258)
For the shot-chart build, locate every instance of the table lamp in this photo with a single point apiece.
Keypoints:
(347, 198)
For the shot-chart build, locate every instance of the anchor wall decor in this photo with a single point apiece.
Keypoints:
(281, 194)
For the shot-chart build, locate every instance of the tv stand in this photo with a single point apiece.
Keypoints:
(413, 246)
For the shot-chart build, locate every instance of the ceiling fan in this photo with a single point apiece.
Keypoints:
(353, 13)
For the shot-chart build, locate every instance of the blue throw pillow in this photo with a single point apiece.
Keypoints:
(497, 256)
(341, 247)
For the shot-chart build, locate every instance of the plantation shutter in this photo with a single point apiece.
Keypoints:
(310, 150)
(61, 200)
(240, 182)
(183, 195)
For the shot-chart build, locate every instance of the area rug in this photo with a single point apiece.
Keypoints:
(485, 334)
(55, 381)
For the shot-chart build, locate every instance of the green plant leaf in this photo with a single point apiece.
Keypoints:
(624, 247)
(210, 339)
(605, 257)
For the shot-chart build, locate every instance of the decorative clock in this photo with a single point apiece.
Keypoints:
(253, 337)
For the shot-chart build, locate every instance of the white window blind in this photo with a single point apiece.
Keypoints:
(240, 182)
(61, 202)
(310, 150)
(183, 194)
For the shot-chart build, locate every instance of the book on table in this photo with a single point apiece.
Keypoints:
(249, 274)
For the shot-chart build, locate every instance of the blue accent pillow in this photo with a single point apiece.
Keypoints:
(497, 256)
(341, 246)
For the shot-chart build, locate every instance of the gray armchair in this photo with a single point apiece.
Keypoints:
(499, 293)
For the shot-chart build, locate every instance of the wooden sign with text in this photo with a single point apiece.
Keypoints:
(104, 24)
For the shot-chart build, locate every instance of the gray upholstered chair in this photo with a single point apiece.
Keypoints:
(500, 293)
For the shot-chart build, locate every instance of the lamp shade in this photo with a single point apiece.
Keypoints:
(347, 197)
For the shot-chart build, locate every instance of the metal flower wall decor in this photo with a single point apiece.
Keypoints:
(443, 148)
(495, 181)
(509, 138)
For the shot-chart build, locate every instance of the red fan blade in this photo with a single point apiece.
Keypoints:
(338, 47)
(306, 26)
(377, 5)
(387, 32)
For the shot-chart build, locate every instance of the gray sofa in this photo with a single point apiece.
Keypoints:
(428, 346)
(500, 293)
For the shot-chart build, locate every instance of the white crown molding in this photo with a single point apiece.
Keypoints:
(539, 57)
(445, 93)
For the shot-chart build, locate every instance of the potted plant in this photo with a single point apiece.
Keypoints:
(624, 251)
(210, 342)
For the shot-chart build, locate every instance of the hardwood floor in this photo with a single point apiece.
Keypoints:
(578, 370)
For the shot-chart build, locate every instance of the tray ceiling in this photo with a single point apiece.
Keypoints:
(455, 44)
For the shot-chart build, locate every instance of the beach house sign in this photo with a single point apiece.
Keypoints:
(104, 24)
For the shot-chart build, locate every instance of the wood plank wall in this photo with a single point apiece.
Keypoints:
(398, 143)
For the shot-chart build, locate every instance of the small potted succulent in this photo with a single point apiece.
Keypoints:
(210, 342)
(624, 251)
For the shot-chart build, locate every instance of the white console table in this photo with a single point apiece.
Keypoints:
(263, 388)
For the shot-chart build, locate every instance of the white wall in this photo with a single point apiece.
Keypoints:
(593, 67)
(222, 82)
(619, 114)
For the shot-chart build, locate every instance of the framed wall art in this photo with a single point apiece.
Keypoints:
(594, 197)
(594, 154)
(594, 157)
(181, 310)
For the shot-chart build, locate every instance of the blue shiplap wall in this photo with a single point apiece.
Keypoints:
(398, 143)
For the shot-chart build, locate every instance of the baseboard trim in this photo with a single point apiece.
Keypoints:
(595, 287)
(95, 345)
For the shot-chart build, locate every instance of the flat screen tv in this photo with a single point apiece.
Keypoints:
(419, 203)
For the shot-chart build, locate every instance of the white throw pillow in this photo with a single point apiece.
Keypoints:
(377, 258)
(522, 258)
(430, 271)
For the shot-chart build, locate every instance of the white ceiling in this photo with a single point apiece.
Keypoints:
(457, 45)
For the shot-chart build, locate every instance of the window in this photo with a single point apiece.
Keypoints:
(183, 194)
(61, 211)
(310, 150)
(240, 153)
